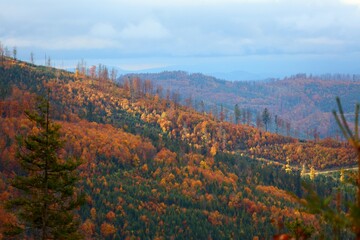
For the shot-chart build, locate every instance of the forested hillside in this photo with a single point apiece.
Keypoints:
(154, 169)
(300, 105)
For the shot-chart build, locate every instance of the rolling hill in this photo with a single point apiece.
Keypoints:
(154, 169)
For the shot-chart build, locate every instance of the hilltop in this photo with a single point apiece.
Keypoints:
(156, 169)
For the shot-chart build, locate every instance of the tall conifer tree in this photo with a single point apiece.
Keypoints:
(237, 113)
(266, 118)
(47, 194)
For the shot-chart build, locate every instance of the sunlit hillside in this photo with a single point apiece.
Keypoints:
(300, 105)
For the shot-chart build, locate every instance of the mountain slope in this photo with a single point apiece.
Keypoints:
(154, 169)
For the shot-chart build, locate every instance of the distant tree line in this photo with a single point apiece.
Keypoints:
(326, 76)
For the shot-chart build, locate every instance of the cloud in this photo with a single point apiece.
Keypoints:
(197, 3)
(321, 41)
(183, 27)
(141, 66)
(82, 42)
(146, 29)
(63, 43)
(351, 2)
(18, 42)
(103, 30)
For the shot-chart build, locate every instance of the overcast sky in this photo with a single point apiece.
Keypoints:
(158, 33)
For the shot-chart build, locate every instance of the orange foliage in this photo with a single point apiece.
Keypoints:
(144, 218)
(274, 191)
(93, 213)
(110, 216)
(249, 205)
(145, 168)
(88, 228)
(215, 218)
(107, 229)
(93, 138)
(165, 156)
(194, 159)
(16, 103)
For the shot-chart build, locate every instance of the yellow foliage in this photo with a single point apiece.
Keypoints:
(145, 168)
(136, 160)
(171, 177)
(213, 150)
(203, 165)
(163, 182)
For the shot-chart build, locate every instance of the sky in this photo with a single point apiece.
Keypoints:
(252, 38)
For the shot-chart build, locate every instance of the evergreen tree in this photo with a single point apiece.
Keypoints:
(237, 113)
(47, 194)
(14, 52)
(266, 118)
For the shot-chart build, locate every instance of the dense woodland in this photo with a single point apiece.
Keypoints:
(155, 169)
(300, 105)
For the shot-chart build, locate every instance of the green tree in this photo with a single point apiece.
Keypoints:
(47, 195)
(266, 118)
(2, 53)
(14, 52)
(276, 120)
(237, 113)
(32, 58)
(222, 113)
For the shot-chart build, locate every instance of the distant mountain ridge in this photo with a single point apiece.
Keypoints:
(306, 102)
(238, 76)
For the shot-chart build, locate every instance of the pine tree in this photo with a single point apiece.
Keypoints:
(353, 137)
(47, 195)
(266, 118)
(237, 113)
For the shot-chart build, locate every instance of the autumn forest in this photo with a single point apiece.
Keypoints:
(156, 166)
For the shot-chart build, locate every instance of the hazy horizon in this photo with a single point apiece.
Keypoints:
(228, 68)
